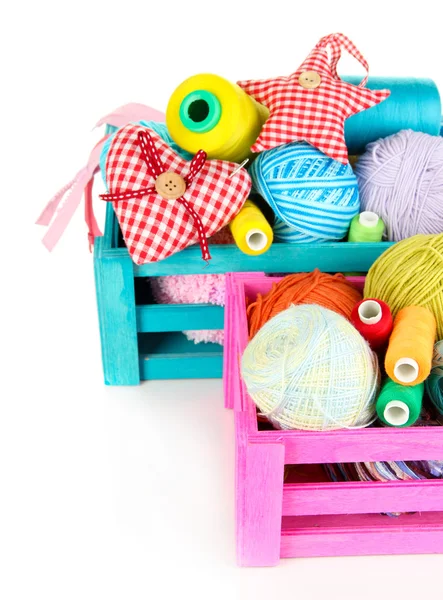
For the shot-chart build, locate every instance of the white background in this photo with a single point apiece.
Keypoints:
(128, 492)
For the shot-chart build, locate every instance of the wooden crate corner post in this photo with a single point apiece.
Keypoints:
(259, 501)
(114, 281)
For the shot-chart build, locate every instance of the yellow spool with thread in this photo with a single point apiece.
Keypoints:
(408, 359)
(207, 112)
(251, 231)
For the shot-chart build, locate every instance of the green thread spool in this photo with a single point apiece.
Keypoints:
(399, 405)
(366, 227)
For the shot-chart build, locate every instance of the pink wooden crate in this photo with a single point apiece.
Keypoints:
(308, 515)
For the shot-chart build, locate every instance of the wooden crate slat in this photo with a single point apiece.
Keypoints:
(172, 356)
(178, 317)
(180, 367)
(360, 535)
(356, 497)
(284, 258)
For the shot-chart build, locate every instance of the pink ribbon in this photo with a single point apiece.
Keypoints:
(131, 112)
(73, 191)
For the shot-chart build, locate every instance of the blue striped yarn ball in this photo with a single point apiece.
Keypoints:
(314, 197)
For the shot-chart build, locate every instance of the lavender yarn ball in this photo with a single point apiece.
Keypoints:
(401, 179)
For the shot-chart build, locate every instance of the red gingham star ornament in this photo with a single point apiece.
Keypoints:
(312, 104)
(164, 203)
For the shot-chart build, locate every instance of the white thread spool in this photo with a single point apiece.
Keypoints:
(370, 312)
(256, 239)
(396, 413)
(406, 370)
(368, 218)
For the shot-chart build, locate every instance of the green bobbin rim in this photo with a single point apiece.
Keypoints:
(200, 111)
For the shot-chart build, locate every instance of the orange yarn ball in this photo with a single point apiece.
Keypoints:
(331, 291)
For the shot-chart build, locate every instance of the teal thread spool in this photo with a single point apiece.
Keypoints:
(399, 405)
(414, 104)
(366, 227)
(434, 383)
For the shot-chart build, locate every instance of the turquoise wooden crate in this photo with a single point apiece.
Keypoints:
(141, 340)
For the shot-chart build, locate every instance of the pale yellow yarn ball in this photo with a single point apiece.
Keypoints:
(309, 368)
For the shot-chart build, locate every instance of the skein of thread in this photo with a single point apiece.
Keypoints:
(401, 179)
(399, 405)
(373, 319)
(414, 103)
(434, 383)
(409, 356)
(410, 273)
(331, 291)
(210, 113)
(308, 368)
(251, 231)
(385, 471)
(314, 197)
(366, 227)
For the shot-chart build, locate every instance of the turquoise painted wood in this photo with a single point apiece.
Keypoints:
(162, 352)
(280, 258)
(114, 281)
(173, 356)
(178, 317)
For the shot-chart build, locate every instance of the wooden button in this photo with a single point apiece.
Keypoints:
(170, 185)
(309, 80)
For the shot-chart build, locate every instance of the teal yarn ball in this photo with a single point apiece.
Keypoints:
(314, 197)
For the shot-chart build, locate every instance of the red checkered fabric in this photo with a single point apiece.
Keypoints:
(313, 115)
(154, 228)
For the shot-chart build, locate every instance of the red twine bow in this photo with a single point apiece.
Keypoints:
(155, 169)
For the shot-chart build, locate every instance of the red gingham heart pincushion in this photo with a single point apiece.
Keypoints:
(164, 203)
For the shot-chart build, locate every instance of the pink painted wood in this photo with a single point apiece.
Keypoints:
(259, 492)
(359, 535)
(346, 497)
(229, 326)
(321, 518)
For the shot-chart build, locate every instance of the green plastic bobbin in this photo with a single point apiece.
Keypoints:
(200, 111)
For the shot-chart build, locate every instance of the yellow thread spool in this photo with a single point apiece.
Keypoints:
(251, 231)
(207, 112)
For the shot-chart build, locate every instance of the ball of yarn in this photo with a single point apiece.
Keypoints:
(313, 196)
(410, 273)
(309, 368)
(401, 179)
(331, 291)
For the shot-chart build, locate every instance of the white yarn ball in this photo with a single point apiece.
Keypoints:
(309, 368)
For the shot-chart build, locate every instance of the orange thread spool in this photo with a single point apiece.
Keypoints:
(331, 291)
(409, 357)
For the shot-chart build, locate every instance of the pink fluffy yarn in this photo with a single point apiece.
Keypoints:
(192, 289)
(195, 289)
(401, 179)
